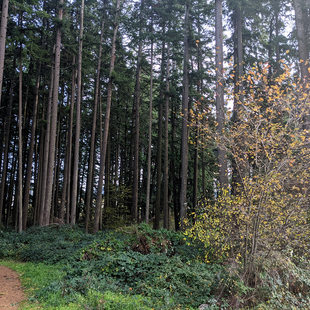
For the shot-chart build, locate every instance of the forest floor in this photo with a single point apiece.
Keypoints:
(137, 268)
(11, 292)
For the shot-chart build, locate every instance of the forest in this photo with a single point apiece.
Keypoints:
(157, 149)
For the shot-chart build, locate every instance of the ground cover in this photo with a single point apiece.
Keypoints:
(138, 268)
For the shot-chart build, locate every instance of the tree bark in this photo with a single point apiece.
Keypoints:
(185, 102)
(7, 129)
(166, 147)
(53, 130)
(237, 172)
(107, 122)
(90, 176)
(149, 149)
(31, 150)
(137, 100)
(3, 28)
(78, 121)
(159, 143)
(301, 22)
(20, 149)
(220, 107)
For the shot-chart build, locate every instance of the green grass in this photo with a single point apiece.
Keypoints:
(36, 276)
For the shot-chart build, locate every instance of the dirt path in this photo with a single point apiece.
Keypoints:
(11, 293)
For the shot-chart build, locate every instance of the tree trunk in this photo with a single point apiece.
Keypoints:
(159, 142)
(237, 171)
(137, 100)
(185, 101)
(20, 149)
(53, 130)
(149, 151)
(90, 176)
(78, 121)
(166, 148)
(301, 20)
(45, 157)
(220, 108)
(31, 150)
(107, 122)
(7, 129)
(3, 28)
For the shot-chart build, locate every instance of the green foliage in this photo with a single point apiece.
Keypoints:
(49, 244)
(132, 268)
(139, 268)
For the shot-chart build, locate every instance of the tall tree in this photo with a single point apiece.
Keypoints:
(237, 171)
(137, 100)
(90, 175)
(78, 121)
(166, 148)
(31, 149)
(104, 142)
(149, 148)
(220, 106)
(53, 129)
(20, 144)
(302, 19)
(3, 29)
(185, 104)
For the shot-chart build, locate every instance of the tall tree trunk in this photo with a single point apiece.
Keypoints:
(78, 121)
(67, 189)
(149, 149)
(220, 108)
(53, 130)
(166, 148)
(185, 101)
(45, 157)
(159, 142)
(31, 150)
(237, 170)
(3, 28)
(137, 99)
(301, 20)
(198, 109)
(90, 176)
(20, 148)
(106, 122)
(7, 129)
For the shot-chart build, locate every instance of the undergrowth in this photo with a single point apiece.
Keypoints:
(139, 268)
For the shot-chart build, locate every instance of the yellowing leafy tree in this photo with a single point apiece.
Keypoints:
(269, 142)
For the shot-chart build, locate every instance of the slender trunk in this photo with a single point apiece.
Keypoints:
(220, 108)
(198, 109)
(12, 186)
(78, 121)
(45, 157)
(149, 152)
(107, 122)
(69, 148)
(31, 150)
(7, 129)
(90, 176)
(137, 99)
(301, 20)
(185, 101)
(237, 173)
(166, 148)
(3, 28)
(159, 143)
(20, 149)
(52, 144)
